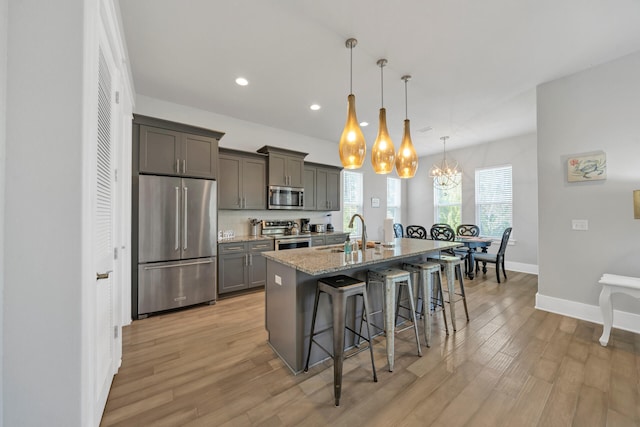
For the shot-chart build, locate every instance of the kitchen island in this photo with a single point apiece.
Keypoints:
(292, 276)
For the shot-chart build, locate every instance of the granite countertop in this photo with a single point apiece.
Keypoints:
(328, 259)
(240, 239)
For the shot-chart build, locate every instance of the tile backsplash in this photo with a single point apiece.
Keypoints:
(238, 220)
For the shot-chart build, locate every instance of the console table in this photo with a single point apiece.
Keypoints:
(614, 284)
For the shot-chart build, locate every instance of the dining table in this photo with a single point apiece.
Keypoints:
(472, 244)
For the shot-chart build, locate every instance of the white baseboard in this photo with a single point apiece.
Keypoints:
(521, 267)
(591, 313)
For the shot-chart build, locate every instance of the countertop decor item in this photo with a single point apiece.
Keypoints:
(407, 158)
(383, 152)
(353, 147)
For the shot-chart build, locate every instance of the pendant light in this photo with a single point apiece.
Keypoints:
(383, 152)
(353, 147)
(407, 158)
(445, 175)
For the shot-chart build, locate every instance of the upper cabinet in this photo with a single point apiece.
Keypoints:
(286, 167)
(322, 187)
(242, 180)
(169, 148)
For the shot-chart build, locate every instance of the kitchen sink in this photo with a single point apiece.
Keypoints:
(334, 249)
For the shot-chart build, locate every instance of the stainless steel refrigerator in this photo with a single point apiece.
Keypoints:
(177, 242)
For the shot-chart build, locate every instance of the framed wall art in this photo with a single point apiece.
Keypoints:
(591, 167)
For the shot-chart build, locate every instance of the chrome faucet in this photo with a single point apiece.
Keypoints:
(364, 231)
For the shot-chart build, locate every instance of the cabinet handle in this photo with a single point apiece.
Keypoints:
(250, 259)
(177, 219)
(184, 166)
(102, 276)
(185, 189)
(177, 165)
(237, 248)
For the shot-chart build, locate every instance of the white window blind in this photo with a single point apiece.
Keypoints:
(448, 205)
(494, 200)
(394, 199)
(352, 201)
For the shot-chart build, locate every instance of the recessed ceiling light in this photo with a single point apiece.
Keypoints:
(241, 81)
(363, 124)
(315, 107)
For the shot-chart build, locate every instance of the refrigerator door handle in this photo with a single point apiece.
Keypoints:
(177, 246)
(182, 264)
(186, 225)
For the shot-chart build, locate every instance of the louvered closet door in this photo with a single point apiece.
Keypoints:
(104, 231)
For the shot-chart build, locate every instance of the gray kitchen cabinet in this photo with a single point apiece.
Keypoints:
(241, 265)
(335, 239)
(167, 150)
(286, 167)
(310, 188)
(242, 180)
(317, 241)
(323, 183)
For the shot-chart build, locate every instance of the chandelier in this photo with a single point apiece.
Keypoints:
(445, 175)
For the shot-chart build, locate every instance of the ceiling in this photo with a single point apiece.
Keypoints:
(474, 64)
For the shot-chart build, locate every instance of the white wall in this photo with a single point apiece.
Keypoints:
(42, 219)
(596, 109)
(3, 144)
(520, 152)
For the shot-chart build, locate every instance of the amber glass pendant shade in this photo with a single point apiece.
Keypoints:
(407, 158)
(383, 152)
(353, 148)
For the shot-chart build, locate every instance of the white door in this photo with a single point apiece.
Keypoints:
(105, 322)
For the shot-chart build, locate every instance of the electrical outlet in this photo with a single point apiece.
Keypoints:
(580, 224)
(278, 280)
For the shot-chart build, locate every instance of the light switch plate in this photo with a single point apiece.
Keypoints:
(580, 224)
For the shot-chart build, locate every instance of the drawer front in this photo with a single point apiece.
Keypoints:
(336, 239)
(162, 286)
(229, 248)
(261, 246)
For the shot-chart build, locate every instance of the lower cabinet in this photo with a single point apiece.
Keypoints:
(241, 265)
(335, 239)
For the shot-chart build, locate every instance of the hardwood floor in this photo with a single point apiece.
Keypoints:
(511, 365)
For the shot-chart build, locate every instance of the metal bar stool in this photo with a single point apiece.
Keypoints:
(339, 288)
(452, 269)
(391, 279)
(428, 276)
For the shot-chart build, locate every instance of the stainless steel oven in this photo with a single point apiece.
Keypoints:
(292, 242)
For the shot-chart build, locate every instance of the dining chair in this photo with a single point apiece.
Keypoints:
(397, 230)
(470, 230)
(442, 232)
(466, 230)
(416, 232)
(497, 258)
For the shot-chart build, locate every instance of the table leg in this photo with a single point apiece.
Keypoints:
(389, 319)
(451, 277)
(607, 314)
(471, 263)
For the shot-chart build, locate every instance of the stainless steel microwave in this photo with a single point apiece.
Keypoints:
(285, 197)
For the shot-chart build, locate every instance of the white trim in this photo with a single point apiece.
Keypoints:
(591, 313)
(521, 267)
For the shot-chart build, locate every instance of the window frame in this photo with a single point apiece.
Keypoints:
(437, 205)
(394, 203)
(358, 202)
(481, 201)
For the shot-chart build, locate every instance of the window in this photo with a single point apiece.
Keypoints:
(448, 205)
(394, 199)
(494, 196)
(352, 201)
